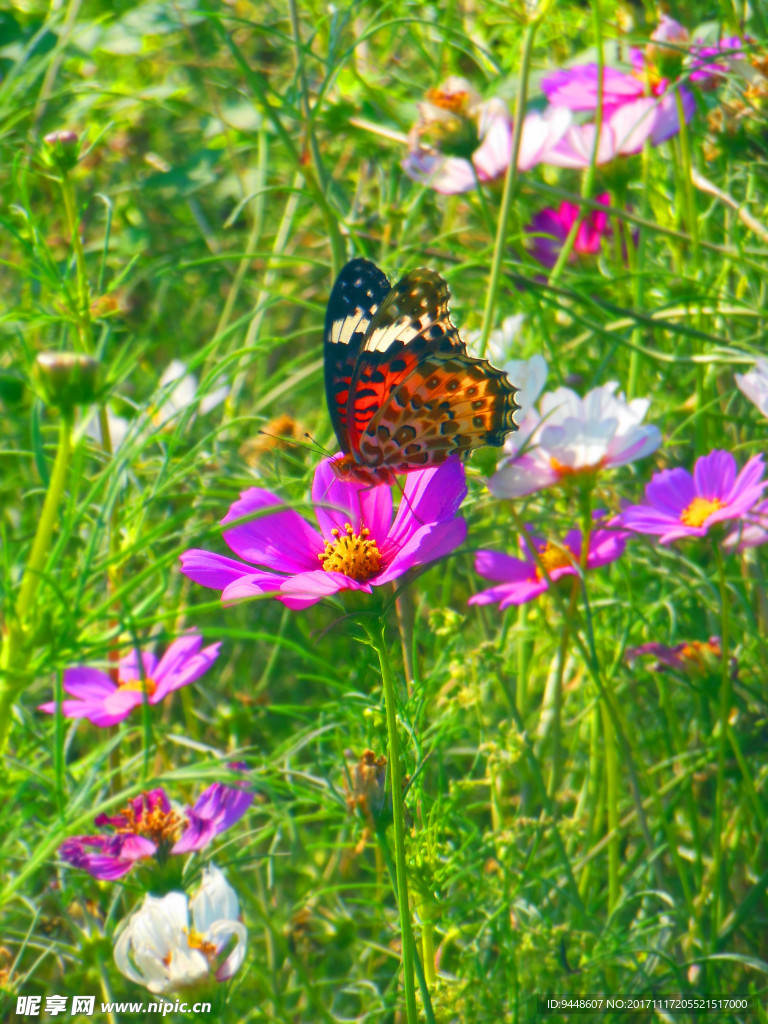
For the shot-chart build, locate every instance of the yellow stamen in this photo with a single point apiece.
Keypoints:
(156, 824)
(563, 470)
(197, 941)
(456, 102)
(700, 510)
(556, 556)
(147, 686)
(353, 554)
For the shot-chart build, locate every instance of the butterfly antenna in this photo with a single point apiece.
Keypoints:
(316, 444)
(290, 441)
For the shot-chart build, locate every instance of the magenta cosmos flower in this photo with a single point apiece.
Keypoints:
(150, 827)
(679, 504)
(636, 107)
(552, 226)
(520, 580)
(140, 677)
(359, 543)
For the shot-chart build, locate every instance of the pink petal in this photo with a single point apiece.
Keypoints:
(351, 502)
(308, 588)
(429, 543)
(280, 539)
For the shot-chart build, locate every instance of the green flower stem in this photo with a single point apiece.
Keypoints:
(725, 701)
(406, 932)
(637, 333)
(84, 323)
(425, 973)
(589, 178)
(510, 185)
(691, 216)
(12, 681)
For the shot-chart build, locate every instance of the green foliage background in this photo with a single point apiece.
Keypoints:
(234, 155)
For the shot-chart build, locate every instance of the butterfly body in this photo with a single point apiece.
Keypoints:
(403, 392)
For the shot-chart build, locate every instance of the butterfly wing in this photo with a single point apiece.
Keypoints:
(358, 293)
(417, 396)
(411, 321)
(450, 404)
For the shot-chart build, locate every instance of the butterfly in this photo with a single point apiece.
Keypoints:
(402, 390)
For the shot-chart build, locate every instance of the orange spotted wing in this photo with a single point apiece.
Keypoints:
(402, 390)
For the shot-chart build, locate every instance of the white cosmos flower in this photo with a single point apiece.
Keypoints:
(754, 384)
(572, 435)
(171, 943)
(173, 401)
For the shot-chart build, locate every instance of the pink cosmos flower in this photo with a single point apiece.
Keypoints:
(520, 580)
(679, 504)
(460, 139)
(752, 530)
(150, 826)
(140, 676)
(692, 658)
(359, 543)
(710, 63)
(552, 226)
(573, 437)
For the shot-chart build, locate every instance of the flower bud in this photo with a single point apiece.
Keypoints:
(667, 47)
(62, 149)
(67, 379)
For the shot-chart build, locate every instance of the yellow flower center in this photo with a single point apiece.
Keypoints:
(556, 556)
(351, 553)
(156, 824)
(697, 652)
(197, 941)
(700, 510)
(563, 470)
(147, 686)
(456, 102)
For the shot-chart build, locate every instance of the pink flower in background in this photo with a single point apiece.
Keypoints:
(694, 658)
(519, 580)
(623, 131)
(680, 504)
(752, 530)
(140, 677)
(573, 437)
(149, 826)
(359, 544)
(461, 139)
(711, 62)
(552, 226)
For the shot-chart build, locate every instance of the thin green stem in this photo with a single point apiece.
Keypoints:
(725, 700)
(637, 333)
(406, 931)
(510, 185)
(588, 184)
(12, 681)
(84, 323)
(425, 973)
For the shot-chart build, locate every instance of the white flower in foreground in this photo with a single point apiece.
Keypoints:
(158, 948)
(754, 384)
(572, 436)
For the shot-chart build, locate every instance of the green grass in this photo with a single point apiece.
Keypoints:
(611, 840)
